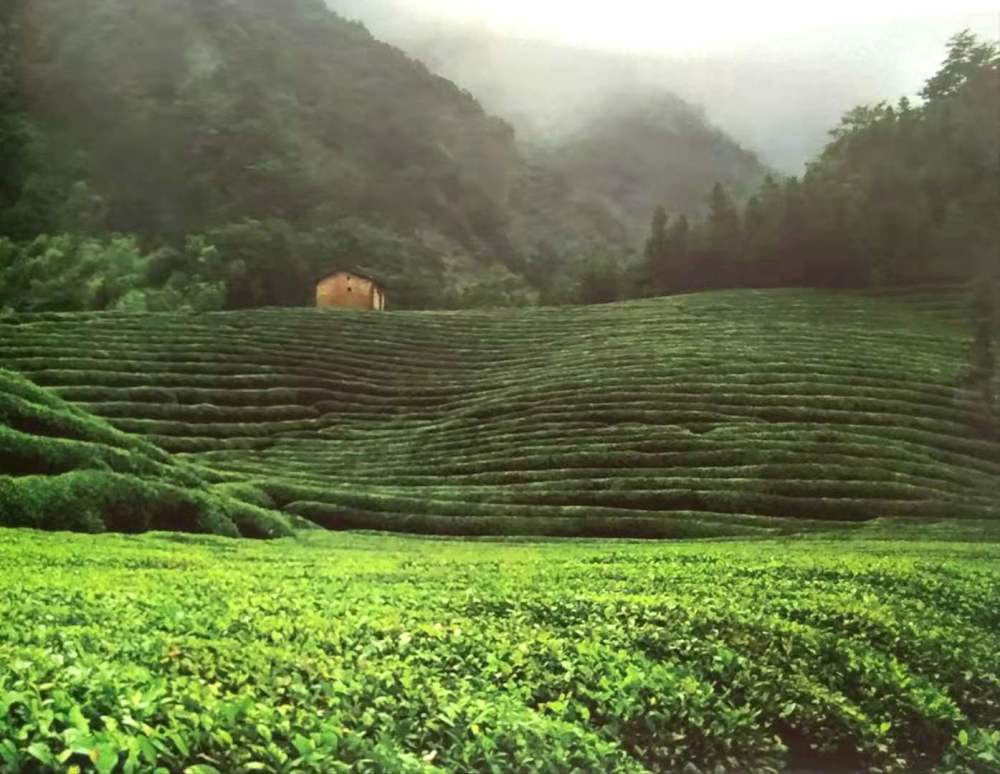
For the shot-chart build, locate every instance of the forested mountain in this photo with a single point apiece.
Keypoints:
(636, 148)
(777, 93)
(603, 136)
(581, 204)
(221, 153)
(287, 136)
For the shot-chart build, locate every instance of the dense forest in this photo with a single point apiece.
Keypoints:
(235, 150)
(902, 194)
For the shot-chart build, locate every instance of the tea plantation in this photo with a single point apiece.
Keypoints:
(731, 413)
(63, 469)
(339, 652)
(805, 434)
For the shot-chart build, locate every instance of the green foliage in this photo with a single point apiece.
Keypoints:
(667, 253)
(197, 654)
(657, 248)
(600, 280)
(74, 273)
(251, 263)
(264, 264)
(967, 61)
(698, 415)
(263, 127)
(723, 222)
(902, 194)
(495, 288)
(68, 273)
(62, 469)
(656, 245)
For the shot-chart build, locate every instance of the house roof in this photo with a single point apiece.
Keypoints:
(348, 270)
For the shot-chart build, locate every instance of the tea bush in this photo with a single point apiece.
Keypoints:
(336, 652)
(698, 415)
(62, 469)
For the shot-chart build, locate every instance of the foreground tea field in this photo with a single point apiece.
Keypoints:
(739, 413)
(373, 653)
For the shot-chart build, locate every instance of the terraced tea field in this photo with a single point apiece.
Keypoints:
(63, 469)
(737, 413)
(336, 652)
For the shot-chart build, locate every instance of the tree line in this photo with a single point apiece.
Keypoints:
(902, 194)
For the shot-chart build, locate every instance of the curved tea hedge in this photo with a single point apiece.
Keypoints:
(710, 414)
(62, 469)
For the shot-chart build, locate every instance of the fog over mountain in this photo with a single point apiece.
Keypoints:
(776, 83)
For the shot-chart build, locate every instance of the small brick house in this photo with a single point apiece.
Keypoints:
(348, 289)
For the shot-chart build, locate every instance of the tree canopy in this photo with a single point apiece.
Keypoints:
(903, 194)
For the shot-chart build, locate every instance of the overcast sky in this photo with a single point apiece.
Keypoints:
(688, 28)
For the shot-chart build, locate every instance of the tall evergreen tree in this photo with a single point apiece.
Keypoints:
(967, 58)
(678, 236)
(656, 249)
(657, 241)
(754, 219)
(724, 233)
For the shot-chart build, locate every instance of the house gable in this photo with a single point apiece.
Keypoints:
(347, 289)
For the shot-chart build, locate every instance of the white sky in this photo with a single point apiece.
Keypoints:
(682, 28)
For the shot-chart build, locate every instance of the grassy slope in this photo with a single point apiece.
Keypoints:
(404, 654)
(61, 468)
(709, 414)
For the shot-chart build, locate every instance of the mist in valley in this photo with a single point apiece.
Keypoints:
(776, 80)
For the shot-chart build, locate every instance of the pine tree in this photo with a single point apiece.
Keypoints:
(656, 249)
(723, 223)
(657, 241)
(754, 218)
(677, 238)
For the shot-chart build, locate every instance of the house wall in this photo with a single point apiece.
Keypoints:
(349, 291)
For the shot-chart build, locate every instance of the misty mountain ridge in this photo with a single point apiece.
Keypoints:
(778, 98)
(616, 144)
(288, 139)
(286, 136)
(635, 148)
